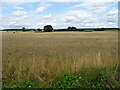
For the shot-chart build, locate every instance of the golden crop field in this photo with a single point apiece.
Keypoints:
(42, 56)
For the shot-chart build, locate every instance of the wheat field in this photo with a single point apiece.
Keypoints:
(42, 56)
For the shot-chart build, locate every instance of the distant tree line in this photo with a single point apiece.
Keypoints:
(49, 28)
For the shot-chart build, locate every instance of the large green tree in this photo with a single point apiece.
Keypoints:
(23, 29)
(48, 28)
(71, 28)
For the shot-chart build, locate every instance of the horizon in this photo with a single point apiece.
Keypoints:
(67, 28)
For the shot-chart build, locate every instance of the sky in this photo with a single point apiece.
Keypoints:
(36, 14)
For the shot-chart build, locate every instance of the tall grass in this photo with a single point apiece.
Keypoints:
(42, 56)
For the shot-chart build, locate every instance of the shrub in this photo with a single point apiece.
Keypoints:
(99, 29)
(39, 29)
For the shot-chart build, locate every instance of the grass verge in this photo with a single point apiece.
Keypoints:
(89, 78)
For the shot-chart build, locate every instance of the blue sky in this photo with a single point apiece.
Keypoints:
(59, 14)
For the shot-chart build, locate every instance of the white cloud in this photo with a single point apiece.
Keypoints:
(47, 16)
(80, 18)
(113, 12)
(20, 8)
(20, 18)
(73, 17)
(19, 13)
(95, 7)
(51, 23)
(79, 13)
(42, 7)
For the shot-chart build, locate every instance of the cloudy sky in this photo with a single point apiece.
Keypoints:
(37, 14)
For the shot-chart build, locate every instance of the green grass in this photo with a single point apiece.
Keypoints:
(24, 84)
(89, 78)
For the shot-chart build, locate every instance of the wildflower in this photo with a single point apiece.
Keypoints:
(79, 77)
(29, 86)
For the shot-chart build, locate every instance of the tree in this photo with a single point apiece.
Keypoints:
(23, 29)
(102, 29)
(48, 28)
(39, 29)
(71, 28)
